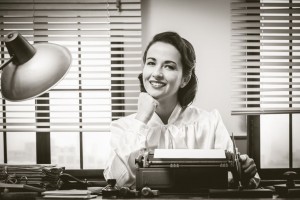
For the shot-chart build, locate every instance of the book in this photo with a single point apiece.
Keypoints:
(69, 197)
(68, 194)
(23, 187)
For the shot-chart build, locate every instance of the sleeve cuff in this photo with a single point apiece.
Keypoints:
(139, 127)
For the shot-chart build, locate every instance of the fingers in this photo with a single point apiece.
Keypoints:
(251, 170)
(243, 157)
(146, 100)
(145, 110)
(248, 165)
(155, 103)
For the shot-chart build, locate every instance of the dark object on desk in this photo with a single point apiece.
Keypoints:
(67, 182)
(237, 193)
(111, 190)
(126, 192)
(147, 192)
(290, 189)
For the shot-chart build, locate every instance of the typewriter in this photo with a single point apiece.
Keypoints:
(184, 170)
(193, 171)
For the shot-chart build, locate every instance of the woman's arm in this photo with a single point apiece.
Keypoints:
(249, 171)
(128, 139)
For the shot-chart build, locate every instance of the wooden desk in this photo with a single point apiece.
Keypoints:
(23, 196)
(184, 198)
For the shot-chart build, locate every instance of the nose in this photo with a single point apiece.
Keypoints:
(157, 72)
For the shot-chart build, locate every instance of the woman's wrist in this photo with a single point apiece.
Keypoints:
(142, 117)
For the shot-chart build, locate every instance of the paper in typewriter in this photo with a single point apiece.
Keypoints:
(190, 153)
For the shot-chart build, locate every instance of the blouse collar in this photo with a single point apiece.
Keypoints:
(173, 117)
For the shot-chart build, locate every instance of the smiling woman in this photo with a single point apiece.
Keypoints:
(165, 119)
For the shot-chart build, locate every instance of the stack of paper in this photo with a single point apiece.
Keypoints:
(45, 176)
(190, 153)
(20, 187)
(68, 194)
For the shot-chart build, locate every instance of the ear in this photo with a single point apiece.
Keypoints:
(185, 81)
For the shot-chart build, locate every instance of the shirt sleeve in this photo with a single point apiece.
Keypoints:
(128, 138)
(224, 141)
(222, 137)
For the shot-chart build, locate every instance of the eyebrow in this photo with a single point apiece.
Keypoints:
(151, 58)
(167, 61)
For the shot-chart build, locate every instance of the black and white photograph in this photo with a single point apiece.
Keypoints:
(149, 99)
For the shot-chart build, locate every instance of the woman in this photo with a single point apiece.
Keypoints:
(165, 118)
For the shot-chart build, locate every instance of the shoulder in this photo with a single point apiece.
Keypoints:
(193, 114)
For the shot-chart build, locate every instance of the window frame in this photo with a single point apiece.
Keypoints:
(274, 174)
(253, 120)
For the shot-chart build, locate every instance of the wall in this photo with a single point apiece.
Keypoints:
(206, 24)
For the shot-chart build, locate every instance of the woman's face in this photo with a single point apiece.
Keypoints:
(162, 73)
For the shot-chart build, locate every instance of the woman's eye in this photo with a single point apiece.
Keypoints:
(150, 63)
(170, 67)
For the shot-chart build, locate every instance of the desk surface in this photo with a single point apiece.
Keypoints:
(20, 196)
(163, 197)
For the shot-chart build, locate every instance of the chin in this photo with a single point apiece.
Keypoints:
(156, 95)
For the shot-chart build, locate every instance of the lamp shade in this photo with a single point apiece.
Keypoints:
(34, 69)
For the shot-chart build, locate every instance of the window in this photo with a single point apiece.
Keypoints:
(69, 125)
(266, 75)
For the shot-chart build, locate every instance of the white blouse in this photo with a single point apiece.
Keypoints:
(190, 128)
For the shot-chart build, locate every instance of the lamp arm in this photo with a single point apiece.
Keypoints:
(7, 62)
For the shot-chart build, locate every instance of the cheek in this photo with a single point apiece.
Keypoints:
(146, 73)
(173, 78)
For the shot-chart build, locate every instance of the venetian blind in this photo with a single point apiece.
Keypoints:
(265, 56)
(104, 37)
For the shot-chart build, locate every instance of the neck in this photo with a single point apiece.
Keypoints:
(165, 109)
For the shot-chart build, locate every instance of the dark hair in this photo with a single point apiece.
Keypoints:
(187, 94)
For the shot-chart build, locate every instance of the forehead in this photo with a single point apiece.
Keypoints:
(164, 51)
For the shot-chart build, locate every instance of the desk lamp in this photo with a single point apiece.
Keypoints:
(32, 69)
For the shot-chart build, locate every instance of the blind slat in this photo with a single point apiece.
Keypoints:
(258, 111)
(249, 96)
(105, 38)
(69, 26)
(263, 18)
(78, 19)
(65, 6)
(78, 13)
(67, 1)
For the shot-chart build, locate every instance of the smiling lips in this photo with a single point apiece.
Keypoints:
(157, 84)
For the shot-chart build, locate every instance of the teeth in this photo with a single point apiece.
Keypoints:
(157, 84)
